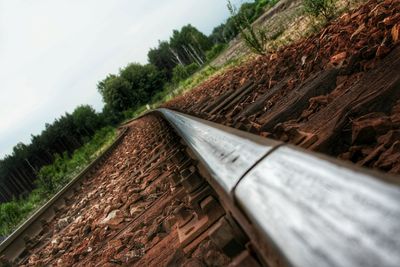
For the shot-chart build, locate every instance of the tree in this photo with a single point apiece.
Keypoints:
(189, 45)
(144, 81)
(217, 36)
(133, 87)
(181, 73)
(86, 120)
(162, 58)
(116, 93)
(19, 170)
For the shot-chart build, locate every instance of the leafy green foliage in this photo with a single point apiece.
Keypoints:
(256, 40)
(217, 36)
(215, 51)
(144, 80)
(181, 73)
(162, 58)
(189, 45)
(133, 87)
(12, 213)
(52, 178)
(186, 46)
(324, 8)
(249, 12)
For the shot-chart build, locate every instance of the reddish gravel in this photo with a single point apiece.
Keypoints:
(124, 213)
(336, 92)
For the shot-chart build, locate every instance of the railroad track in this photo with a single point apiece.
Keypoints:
(196, 192)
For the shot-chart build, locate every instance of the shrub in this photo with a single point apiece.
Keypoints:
(181, 72)
(256, 40)
(215, 51)
(325, 8)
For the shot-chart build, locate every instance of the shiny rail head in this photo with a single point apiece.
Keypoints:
(319, 212)
(227, 153)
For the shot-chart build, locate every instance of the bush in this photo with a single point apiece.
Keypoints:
(181, 73)
(215, 51)
(256, 40)
(260, 5)
(325, 8)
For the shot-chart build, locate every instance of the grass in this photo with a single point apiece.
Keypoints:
(205, 73)
(52, 178)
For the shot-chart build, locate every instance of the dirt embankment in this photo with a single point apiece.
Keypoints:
(336, 92)
(276, 19)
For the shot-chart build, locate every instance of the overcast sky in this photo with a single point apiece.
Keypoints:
(53, 52)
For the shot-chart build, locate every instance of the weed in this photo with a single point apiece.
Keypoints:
(324, 8)
(256, 40)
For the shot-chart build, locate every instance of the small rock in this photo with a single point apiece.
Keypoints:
(62, 223)
(55, 241)
(366, 128)
(382, 51)
(87, 229)
(358, 31)
(338, 59)
(133, 255)
(115, 217)
(389, 21)
(33, 260)
(273, 56)
(194, 263)
(115, 261)
(389, 138)
(107, 209)
(395, 33)
(154, 230)
(389, 158)
(135, 210)
(78, 219)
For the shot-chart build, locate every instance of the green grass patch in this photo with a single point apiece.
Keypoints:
(172, 90)
(52, 178)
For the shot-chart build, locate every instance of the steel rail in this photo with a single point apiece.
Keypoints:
(298, 208)
(305, 208)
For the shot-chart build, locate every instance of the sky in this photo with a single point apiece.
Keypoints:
(53, 52)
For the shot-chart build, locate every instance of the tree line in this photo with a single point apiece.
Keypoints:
(18, 171)
(171, 61)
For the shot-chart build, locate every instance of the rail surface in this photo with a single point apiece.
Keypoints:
(313, 210)
(297, 208)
